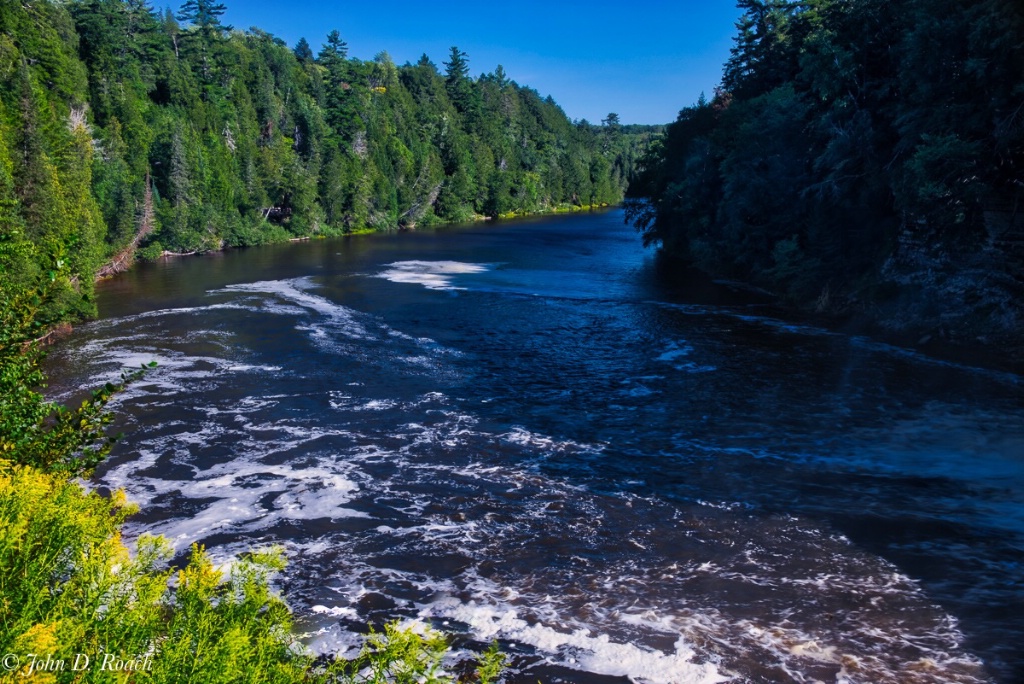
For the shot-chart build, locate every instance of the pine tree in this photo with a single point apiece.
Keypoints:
(204, 15)
(457, 79)
(334, 52)
(303, 52)
(500, 77)
(457, 68)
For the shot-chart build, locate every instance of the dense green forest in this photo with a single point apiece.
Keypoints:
(858, 155)
(123, 129)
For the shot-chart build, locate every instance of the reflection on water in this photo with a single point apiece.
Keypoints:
(519, 431)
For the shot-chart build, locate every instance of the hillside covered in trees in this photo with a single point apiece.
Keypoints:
(864, 157)
(123, 128)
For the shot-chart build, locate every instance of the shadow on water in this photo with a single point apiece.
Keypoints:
(915, 459)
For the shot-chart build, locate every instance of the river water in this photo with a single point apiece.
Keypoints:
(524, 431)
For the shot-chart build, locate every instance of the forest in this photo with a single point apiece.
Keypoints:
(125, 130)
(860, 157)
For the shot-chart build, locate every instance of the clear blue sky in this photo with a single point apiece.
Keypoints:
(642, 60)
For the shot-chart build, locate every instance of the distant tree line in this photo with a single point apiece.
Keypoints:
(841, 128)
(126, 129)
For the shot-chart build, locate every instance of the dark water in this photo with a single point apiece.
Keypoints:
(521, 431)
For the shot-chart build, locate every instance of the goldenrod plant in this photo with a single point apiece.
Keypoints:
(78, 606)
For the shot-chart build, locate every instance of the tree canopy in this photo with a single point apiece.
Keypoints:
(842, 130)
(124, 128)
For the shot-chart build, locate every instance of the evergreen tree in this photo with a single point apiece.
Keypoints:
(457, 79)
(457, 66)
(500, 77)
(341, 102)
(334, 52)
(841, 130)
(303, 52)
(204, 15)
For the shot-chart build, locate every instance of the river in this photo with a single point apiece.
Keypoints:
(526, 431)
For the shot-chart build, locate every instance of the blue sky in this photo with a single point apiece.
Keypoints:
(642, 60)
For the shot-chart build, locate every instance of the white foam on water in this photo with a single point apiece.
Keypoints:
(376, 405)
(794, 648)
(248, 368)
(598, 639)
(244, 406)
(175, 372)
(295, 297)
(433, 275)
(521, 436)
(611, 625)
(632, 614)
(581, 649)
(125, 321)
(335, 611)
(296, 292)
(245, 493)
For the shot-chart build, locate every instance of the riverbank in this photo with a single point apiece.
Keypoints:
(280, 237)
(955, 299)
(915, 318)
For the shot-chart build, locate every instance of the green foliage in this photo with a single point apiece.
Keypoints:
(409, 656)
(303, 52)
(33, 431)
(203, 14)
(123, 130)
(69, 586)
(492, 662)
(227, 631)
(399, 656)
(838, 126)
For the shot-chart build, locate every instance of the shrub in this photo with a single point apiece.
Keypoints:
(78, 606)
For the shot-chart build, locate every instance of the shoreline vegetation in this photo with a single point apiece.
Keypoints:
(130, 133)
(478, 218)
(862, 160)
